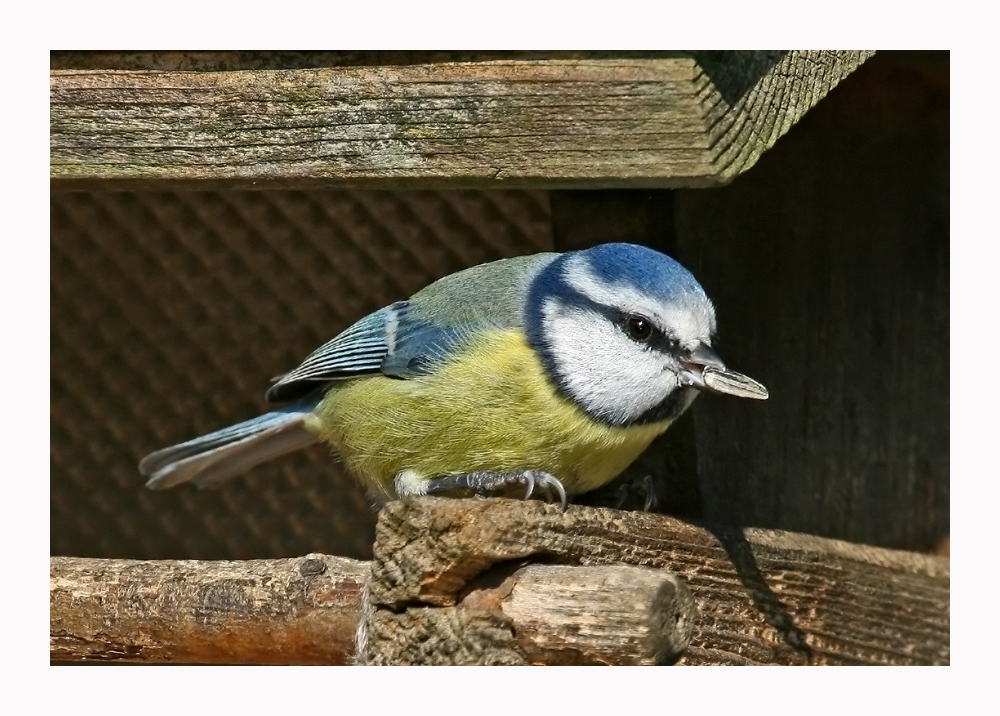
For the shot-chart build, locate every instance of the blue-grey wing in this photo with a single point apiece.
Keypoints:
(418, 346)
(411, 338)
(440, 318)
(359, 350)
(390, 341)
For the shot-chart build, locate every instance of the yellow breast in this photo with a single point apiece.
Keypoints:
(489, 408)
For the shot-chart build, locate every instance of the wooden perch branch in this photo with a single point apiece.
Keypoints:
(269, 611)
(510, 582)
(306, 611)
(667, 121)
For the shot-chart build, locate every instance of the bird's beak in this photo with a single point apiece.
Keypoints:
(694, 364)
(703, 369)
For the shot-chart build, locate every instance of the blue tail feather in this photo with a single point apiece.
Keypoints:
(211, 459)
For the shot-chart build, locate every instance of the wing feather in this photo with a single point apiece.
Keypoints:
(359, 350)
(404, 341)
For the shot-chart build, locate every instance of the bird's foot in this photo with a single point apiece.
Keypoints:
(486, 482)
(629, 487)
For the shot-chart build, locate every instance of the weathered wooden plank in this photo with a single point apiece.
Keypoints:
(684, 120)
(235, 60)
(268, 611)
(762, 596)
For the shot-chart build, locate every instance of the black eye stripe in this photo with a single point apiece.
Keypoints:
(643, 330)
(658, 340)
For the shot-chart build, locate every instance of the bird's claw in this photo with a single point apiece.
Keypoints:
(485, 483)
(624, 490)
(547, 482)
(651, 502)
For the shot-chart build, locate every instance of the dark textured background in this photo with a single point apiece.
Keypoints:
(171, 312)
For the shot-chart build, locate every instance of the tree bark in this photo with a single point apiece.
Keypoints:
(268, 611)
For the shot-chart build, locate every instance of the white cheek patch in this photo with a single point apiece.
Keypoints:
(690, 320)
(607, 374)
(689, 325)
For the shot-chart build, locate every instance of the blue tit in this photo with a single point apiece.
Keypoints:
(552, 371)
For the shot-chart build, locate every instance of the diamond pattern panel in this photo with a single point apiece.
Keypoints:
(171, 311)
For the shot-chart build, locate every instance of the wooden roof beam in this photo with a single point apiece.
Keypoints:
(675, 120)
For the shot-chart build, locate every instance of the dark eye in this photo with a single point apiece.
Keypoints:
(638, 328)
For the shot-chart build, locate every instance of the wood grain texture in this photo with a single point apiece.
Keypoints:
(829, 267)
(511, 582)
(763, 597)
(608, 614)
(682, 120)
(543, 614)
(273, 611)
(236, 60)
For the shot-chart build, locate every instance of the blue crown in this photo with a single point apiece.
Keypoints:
(647, 270)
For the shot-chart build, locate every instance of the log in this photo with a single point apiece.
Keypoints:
(763, 596)
(269, 611)
(669, 120)
(543, 614)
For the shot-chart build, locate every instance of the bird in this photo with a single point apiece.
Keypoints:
(547, 373)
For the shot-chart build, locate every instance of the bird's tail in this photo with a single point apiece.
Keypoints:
(214, 458)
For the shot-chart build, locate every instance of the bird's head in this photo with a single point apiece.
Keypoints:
(625, 332)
